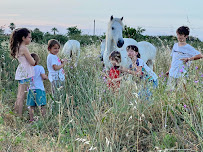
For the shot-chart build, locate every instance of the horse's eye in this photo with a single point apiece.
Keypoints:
(112, 28)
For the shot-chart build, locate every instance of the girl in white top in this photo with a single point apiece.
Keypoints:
(140, 68)
(55, 67)
(19, 40)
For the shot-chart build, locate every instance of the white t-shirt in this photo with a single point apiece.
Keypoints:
(149, 71)
(54, 74)
(178, 68)
(37, 82)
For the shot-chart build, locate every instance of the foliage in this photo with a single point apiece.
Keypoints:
(12, 26)
(37, 35)
(54, 29)
(72, 31)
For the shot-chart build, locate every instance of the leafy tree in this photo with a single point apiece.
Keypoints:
(1, 30)
(37, 35)
(133, 33)
(73, 31)
(54, 29)
(12, 26)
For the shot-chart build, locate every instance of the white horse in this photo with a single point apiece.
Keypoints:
(71, 49)
(115, 41)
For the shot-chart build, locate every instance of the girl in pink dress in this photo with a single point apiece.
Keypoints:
(19, 40)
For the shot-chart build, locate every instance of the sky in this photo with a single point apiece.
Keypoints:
(158, 17)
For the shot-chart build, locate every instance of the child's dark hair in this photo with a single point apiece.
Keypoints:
(183, 30)
(52, 42)
(116, 56)
(16, 40)
(134, 48)
(35, 57)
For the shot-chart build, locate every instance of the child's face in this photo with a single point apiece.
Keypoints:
(54, 49)
(181, 37)
(114, 62)
(132, 53)
(27, 39)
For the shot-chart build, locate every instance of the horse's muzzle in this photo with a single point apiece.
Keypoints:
(120, 43)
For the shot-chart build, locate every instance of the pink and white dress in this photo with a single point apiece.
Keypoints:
(25, 70)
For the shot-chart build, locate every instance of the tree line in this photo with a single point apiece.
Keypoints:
(84, 39)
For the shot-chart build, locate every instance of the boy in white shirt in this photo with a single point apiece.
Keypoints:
(36, 95)
(182, 54)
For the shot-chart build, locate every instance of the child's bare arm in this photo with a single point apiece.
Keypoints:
(196, 57)
(44, 76)
(63, 63)
(27, 55)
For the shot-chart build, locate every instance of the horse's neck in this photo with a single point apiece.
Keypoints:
(110, 46)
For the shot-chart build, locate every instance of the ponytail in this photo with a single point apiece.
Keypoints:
(16, 40)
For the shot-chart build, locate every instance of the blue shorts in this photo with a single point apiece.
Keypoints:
(36, 97)
(25, 81)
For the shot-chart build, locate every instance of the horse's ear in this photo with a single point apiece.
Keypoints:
(121, 18)
(111, 18)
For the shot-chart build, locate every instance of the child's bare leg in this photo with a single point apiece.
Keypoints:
(43, 111)
(20, 99)
(31, 113)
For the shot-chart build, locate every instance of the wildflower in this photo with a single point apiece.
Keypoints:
(196, 67)
(159, 75)
(196, 81)
(202, 75)
(183, 66)
(181, 70)
(185, 106)
(71, 67)
(164, 78)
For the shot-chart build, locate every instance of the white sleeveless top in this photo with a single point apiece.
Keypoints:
(24, 70)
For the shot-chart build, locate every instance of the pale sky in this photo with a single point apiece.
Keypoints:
(158, 17)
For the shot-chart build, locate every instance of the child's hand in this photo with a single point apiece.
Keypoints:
(64, 61)
(167, 73)
(123, 69)
(185, 60)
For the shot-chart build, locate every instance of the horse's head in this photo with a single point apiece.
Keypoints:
(115, 29)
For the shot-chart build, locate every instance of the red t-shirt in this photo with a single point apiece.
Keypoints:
(113, 74)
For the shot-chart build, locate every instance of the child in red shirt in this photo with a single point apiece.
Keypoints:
(114, 73)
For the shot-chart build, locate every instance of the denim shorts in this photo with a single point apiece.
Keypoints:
(25, 81)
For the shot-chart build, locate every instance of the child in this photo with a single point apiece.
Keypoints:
(182, 54)
(36, 95)
(114, 73)
(19, 40)
(55, 67)
(140, 68)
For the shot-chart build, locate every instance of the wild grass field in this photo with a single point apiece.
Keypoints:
(92, 118)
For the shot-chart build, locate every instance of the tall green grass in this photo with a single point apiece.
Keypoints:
(92, 118)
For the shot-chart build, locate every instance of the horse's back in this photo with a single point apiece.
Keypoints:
(71, 45)
(147, 50)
